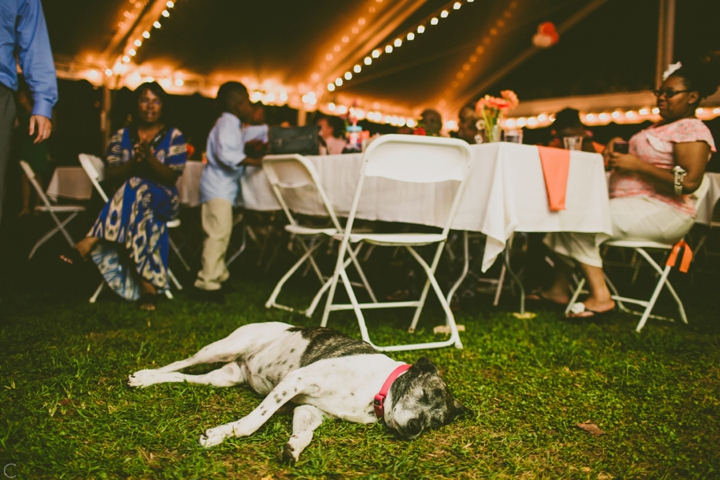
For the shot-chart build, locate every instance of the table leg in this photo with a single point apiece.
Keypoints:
(513, 275)
(466, 267)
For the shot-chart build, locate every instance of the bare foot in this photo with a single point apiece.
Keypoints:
(550, 296)
(148, 297)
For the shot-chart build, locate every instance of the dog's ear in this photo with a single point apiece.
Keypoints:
(459, 410)
(425, 365)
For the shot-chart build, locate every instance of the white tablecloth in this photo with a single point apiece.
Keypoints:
(69, 182)
(188, 184)
(505, 193)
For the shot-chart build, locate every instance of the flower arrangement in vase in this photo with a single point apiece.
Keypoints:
(491, 111)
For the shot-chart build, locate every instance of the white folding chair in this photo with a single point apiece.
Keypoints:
(291, 172)
(52, 209)
(413, 159)
(95, 170)
(641, 247)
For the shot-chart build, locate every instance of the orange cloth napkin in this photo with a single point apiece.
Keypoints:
(556, 166)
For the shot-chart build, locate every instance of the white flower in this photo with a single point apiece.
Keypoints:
(672, 68)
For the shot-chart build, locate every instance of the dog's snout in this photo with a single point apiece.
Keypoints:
(414, 427)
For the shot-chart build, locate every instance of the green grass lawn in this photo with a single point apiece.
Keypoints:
(66, 411)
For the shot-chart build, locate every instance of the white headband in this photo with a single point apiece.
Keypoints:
(672, 68)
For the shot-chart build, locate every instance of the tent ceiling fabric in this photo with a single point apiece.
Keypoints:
(287, 44)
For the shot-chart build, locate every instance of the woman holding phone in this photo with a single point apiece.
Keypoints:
(650, 185)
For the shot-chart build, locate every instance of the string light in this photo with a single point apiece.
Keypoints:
(479, 50)
(409, 35)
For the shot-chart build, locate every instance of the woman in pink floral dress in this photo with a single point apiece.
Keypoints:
(643, 202)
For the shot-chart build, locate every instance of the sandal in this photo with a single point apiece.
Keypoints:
(579, 308)
(148, 302)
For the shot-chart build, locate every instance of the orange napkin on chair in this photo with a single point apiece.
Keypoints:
(556, 166)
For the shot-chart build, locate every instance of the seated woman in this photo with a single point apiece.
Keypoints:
(644, 203)
(129, 240)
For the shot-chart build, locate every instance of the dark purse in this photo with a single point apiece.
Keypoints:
(302, 140)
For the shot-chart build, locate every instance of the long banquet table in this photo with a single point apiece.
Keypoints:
(505, 194)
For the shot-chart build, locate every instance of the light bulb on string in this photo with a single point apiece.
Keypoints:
(444, 14)
(434, 21)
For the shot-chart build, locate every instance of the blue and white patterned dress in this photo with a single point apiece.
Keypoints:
(133, 223)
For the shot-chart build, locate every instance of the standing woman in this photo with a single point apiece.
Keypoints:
(129, 240)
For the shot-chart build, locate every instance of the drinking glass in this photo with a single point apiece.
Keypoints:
(514, 136)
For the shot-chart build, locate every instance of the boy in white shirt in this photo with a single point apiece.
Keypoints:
(220, 185)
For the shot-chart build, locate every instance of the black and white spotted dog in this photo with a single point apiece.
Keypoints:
(324, 373)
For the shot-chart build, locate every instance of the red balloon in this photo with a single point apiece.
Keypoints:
(547, 28)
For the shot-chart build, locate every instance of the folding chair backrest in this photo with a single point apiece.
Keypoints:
(95, 170)
(699, 196)
(416, 159)
(31, 176)
(291, 172)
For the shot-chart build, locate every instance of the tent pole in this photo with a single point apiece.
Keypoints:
(105, 126)
(666, 38)
(302, 116)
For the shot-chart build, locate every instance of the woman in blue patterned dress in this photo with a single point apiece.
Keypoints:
(129, 240)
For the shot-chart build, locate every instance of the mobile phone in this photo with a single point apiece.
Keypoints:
(621, 147)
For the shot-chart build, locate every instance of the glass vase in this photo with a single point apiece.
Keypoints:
(487, 135)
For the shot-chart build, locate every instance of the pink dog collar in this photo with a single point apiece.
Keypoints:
(379, 403)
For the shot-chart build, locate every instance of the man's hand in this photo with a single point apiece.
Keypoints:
(253, 162)
(43, 127)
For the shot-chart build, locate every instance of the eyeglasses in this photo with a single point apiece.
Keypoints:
(668, 93)
(146, 101)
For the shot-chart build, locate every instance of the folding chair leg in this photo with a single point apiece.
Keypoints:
(313, 305)
(426, 288)
(653, 299)
(243, 244)
(95, 295)
(575, 295)
(174, 280)
(449, 317)
(353, 256)
(288, 274)
(179, 255)
(501, 282)
(466, 267)
(59, 228)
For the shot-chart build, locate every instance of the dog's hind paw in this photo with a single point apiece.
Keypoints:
(288, 454)
(141, 378)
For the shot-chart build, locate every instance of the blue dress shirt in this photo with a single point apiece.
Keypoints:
(22, 28)
(225, 152)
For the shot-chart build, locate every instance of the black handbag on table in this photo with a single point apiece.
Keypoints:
(302, 140)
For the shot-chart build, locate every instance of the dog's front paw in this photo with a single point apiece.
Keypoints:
(215, 436)
(210, 440)
(142, 378)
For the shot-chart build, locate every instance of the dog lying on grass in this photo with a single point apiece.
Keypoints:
(324, 373)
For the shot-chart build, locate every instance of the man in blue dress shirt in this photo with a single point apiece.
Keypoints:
(23, 30)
